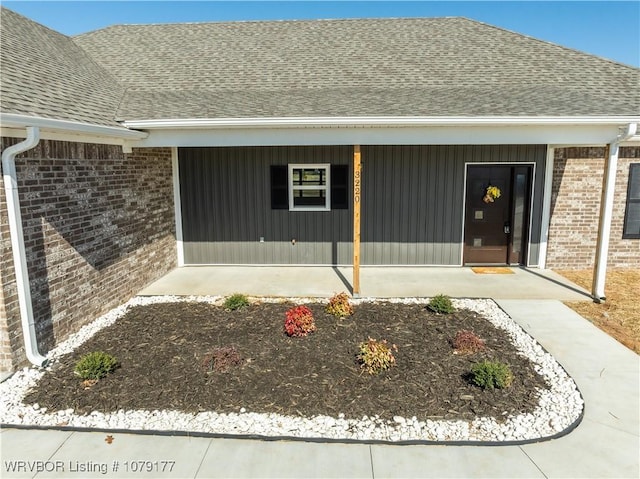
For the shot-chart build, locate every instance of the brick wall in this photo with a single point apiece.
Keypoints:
(11, 344)
(98, 226)
(575, 209)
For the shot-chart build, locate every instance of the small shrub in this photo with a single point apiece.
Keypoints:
(466, 342)
(299, 321)
(491, 374)
(96, 365)
(236, 301)
(221, 360)
(441, 304)
(339, 306)
(376, 356)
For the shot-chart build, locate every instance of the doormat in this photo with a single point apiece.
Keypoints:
(491, 270)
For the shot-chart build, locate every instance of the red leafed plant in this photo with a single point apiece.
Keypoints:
(466, 342)
(221, 360)
(299, 321)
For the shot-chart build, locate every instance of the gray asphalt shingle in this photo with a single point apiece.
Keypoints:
(395, 67)
(378, 67)
(45, 74)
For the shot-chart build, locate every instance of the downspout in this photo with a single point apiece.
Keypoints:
(606, 213)
(17, 243)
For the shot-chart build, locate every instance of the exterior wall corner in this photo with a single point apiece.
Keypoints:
(98, 227)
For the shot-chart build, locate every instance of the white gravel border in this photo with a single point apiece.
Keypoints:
(558, 409)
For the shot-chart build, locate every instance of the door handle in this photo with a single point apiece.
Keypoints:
(507, 228)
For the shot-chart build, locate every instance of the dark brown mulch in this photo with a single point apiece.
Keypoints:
(161, 349)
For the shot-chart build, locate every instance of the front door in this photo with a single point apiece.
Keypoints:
(496, 227)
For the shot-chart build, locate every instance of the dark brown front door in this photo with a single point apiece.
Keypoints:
(495, 232)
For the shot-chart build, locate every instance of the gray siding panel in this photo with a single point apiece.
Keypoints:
(412, 205)
(226, 209)
(412, 210)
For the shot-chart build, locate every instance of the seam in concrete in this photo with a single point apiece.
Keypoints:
(610, 426)
(57, 449)
(202, 460)
(373, 473)
(533, 462)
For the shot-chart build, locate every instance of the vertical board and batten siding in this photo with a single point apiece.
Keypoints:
(412, 205)
(226, 209)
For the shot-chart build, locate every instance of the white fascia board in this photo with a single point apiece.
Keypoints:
(70, 137)
(381, 121)
(557, 135)
(62, 127)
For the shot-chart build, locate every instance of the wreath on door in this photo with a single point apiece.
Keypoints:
(491, 194)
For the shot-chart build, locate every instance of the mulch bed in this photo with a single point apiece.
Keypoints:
(161, 348)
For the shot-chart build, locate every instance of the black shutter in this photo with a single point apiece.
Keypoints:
(339, 187)
(279, 187)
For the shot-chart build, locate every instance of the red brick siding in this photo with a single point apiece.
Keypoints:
(575, 209)
(98, 226)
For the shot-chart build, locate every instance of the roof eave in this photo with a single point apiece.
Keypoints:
(12, 120)
(373, 121)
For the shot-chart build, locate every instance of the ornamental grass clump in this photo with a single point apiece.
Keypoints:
(95, 365)
(441, 304)
(299, 322)
(236, 301)
(376, 356)
(339, 306)
(467, 342)
(221, 360)
(491, 374)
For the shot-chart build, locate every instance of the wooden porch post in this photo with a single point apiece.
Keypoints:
(357, 172)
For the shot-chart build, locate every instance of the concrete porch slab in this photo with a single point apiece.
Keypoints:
(324, 281)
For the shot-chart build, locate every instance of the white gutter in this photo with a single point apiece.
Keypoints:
(12, 120)
(606, 213)
(275, 122)
(17, 243)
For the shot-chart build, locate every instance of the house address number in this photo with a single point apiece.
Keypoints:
(356, 186)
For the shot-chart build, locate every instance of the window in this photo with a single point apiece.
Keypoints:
(310, 187)
(632, 212)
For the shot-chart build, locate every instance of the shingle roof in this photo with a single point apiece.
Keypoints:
(45, 74)
(379, 67)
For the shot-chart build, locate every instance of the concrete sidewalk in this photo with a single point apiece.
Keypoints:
(379, 282)
(604, 445)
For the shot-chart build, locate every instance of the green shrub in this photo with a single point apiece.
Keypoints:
(236, 301)
(221, 359)
(466, 342)
(376, 356)
(339, 306)
(441, 304)
(491, 374)
(299, 321)
(96, 365)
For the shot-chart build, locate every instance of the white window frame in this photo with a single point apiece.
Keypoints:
(326, 187)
